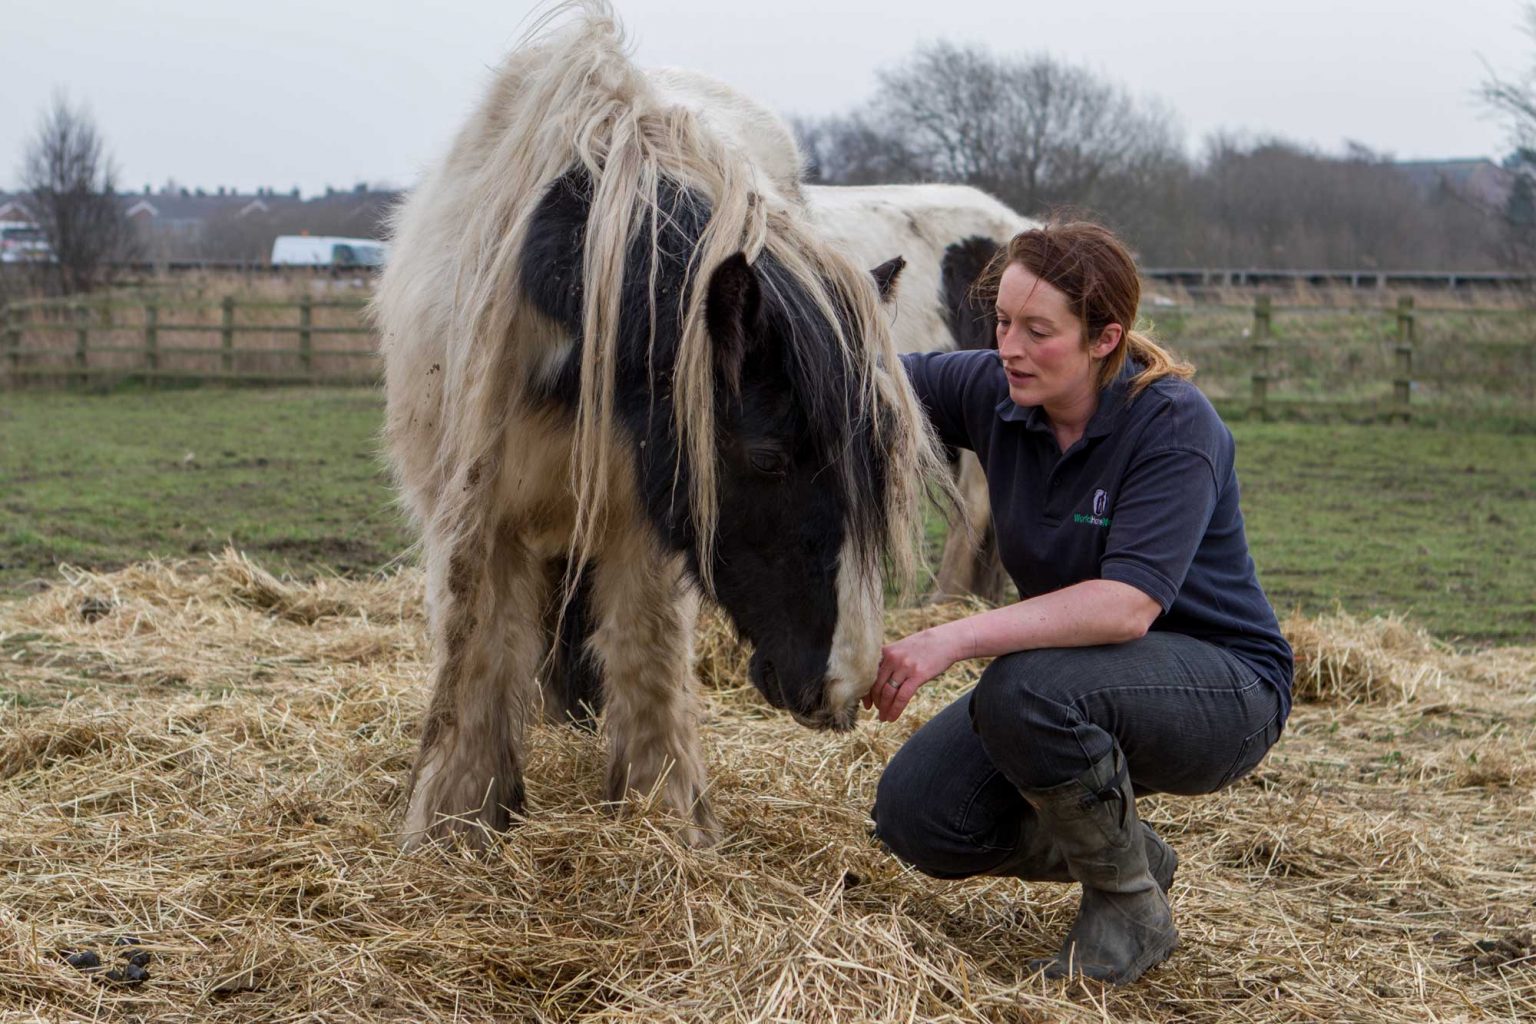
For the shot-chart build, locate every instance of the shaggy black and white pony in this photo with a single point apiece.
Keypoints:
(947, 234)
(623, 371)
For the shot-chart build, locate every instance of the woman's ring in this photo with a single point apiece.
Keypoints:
(893, 682)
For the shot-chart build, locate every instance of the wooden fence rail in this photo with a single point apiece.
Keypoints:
(244, 343)
(1364, 361)
(1264, 349)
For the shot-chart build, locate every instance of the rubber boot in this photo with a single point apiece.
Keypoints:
(1124, 924)
(1039, 858)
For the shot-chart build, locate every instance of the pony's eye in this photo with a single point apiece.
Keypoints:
(769, 461)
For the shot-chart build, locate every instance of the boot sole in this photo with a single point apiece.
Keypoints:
(1055, 970)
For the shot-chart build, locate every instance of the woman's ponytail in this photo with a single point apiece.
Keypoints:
(1156, 361)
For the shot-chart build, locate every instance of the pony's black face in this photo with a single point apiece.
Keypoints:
(801, 492)
(800, 480)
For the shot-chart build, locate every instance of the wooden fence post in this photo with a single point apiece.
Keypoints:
(82, 340)
(10, 321)
(306, 310)
(151, 337)
(1402, 385)
(227, 357)
(1262, 313)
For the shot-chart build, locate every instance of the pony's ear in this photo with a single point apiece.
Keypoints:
(552, 256)
(885, 277)
(731, 308)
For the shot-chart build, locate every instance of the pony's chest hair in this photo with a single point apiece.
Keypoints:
(533, 494)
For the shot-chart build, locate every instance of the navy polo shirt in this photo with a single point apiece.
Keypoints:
(1147, 496)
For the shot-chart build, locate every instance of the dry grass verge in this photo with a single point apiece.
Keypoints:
(209, 760)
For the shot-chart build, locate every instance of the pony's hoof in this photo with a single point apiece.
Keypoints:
(429, 822)
(471, 833)
(698, 838)
(705, 830)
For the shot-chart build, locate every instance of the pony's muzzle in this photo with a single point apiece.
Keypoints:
(805, 700)
(830, 719)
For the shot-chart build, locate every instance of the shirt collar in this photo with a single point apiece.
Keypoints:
(1113, 403)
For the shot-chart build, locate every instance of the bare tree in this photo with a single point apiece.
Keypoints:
(1042, 135)
(1515, 101)
(1032, 130)
(1045, 136)
(851, 150)
(73, 194)
(1273, 203)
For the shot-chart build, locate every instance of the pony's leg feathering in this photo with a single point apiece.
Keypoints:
(646, 613)
(484, 601)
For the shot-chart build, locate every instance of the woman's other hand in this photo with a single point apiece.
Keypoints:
(907, 664)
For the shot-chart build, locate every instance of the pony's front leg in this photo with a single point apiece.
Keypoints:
(646, 612)
(484, 601)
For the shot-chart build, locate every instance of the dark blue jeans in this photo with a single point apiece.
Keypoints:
(1188, 716)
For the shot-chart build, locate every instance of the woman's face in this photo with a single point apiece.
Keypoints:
(1040, 341)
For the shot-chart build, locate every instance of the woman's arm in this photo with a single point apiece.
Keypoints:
(1082, 615)
(950, 386)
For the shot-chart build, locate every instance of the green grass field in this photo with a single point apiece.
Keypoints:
(291, 476)
(1435, 523)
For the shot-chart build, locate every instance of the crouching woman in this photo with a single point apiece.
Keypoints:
(1143, 655)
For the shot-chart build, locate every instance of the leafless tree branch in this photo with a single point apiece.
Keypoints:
(72, 186)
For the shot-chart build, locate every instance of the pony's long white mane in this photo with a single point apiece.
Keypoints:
(567, 97)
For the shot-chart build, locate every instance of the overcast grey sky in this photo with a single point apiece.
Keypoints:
(286, 93)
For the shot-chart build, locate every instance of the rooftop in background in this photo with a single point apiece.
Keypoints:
(183, 224)
(185, 206)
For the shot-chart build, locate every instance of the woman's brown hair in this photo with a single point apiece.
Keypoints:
(1094, 270)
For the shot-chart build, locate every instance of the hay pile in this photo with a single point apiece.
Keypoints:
(209, 760)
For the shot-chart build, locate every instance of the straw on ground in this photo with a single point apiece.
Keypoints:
(210, 759)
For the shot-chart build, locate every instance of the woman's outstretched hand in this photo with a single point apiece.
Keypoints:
(907, 664)
(1082, 615)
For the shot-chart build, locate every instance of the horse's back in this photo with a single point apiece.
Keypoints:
(945, 209)
(926, 225)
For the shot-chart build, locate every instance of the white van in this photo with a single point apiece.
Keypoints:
(326, 251)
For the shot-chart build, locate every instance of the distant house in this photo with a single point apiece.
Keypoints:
(189, 212)
(178, 209)
(1478, 179)
(14, 208)
(177, 223)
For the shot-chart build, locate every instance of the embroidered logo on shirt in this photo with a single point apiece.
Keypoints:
(1100, 506)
